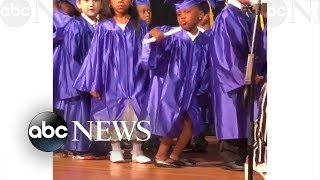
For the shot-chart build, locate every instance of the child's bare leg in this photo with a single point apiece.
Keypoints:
(183, 140)
(162, 159)
(165, 144)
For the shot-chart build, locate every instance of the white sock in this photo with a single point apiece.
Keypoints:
(115, 145)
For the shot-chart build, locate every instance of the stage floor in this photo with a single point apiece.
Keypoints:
(208, 168)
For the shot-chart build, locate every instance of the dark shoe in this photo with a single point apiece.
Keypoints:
(200, 141)
(188, 148)
(152, 144)
(233, 166)
(200, 148)
(178, 162)
(164, 164)
(188, 162)
(124, 144)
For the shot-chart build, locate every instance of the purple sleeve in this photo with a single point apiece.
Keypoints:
(229, 52)
(90, 75)
(60, 20)
(153, 53)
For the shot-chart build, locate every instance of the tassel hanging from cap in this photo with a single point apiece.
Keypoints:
(261, 21)
(211, 15)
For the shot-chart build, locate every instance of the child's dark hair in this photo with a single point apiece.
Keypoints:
(132, 12)
(75, 11)
(105, 11)
(204, 6)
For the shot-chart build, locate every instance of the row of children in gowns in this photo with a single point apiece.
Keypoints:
(103, 72)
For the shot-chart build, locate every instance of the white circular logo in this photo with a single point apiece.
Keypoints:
(15, 13)
(277, 13)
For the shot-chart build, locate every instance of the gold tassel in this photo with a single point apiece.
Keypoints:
(261, 22)
(211, 15)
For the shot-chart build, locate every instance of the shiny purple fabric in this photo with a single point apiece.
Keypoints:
(60, 19)
(178, 67)
(142, 2)
(67, 61)
(112, 68)
(229, 47)
(183, 4)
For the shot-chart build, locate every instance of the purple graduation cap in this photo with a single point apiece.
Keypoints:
(182, 4)
(142, 2)
(213, 3)
(72, 2)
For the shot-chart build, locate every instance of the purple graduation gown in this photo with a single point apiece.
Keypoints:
(68, 59)
(262, 69)
(229, 48)
(177, 66)
(112, 68)
(60, 20)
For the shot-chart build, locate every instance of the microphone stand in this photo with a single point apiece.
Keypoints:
(249, 92)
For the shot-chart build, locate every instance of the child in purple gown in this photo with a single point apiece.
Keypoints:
(68, 59)
(230, 45)
(114, 78)
(178, 66)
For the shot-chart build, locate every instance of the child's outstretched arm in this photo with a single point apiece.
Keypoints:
(154, 52)
(156, 33)
(60, 20)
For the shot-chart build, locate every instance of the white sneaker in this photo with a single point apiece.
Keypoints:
(116, 156)
(140, 158)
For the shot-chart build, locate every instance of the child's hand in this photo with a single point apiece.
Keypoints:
(157, 34)
(95, 94)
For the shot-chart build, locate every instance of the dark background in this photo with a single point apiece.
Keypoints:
(163, 13)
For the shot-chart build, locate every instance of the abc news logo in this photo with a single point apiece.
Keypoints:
(15, 13)
(48, 131)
